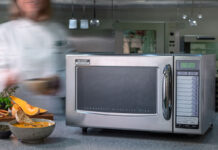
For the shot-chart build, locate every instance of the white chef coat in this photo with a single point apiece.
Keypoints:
(33, 50)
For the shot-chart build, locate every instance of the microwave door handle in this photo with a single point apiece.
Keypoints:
(167, 92)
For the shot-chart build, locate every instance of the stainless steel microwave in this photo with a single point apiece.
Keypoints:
(170, 93)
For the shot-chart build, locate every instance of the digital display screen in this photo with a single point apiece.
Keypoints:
(188, 65)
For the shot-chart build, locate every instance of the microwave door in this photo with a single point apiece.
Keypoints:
(120, 92)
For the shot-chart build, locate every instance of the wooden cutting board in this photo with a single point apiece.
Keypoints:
(49, 116)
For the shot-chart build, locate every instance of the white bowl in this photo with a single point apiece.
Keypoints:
(32, 135)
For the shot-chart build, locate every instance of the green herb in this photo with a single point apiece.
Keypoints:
(5, 101)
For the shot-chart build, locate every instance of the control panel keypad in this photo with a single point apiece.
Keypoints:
(187, 95)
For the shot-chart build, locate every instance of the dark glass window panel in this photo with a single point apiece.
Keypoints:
(117, 89)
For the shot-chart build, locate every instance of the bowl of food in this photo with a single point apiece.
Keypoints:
(4, 130)
(33, 132)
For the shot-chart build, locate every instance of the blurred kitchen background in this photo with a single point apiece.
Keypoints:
(138, 26)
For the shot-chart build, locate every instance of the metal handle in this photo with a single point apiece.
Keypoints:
(167, 92)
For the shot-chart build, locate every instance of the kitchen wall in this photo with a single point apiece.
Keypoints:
(170, 19)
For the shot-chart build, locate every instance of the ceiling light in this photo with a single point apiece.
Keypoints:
(84, 24)
(184, 16)
(200, 16)
(193, 22)
(73, 23)
(94, 22)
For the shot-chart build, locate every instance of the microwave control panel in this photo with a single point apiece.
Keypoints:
(187, 94)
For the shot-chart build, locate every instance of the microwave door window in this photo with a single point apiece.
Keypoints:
(117, 89)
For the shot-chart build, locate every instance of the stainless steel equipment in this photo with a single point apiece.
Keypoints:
(173, 93)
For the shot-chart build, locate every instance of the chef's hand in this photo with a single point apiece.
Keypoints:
(9, 77)
(11, 80)
(44, 86)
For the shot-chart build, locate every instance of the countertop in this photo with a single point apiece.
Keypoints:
(66, 137)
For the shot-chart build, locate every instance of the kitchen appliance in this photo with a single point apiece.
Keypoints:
(168, 93)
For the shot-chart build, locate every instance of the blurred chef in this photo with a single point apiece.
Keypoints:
(32, 47)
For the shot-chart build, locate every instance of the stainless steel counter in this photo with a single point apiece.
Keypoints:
(71, 138)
